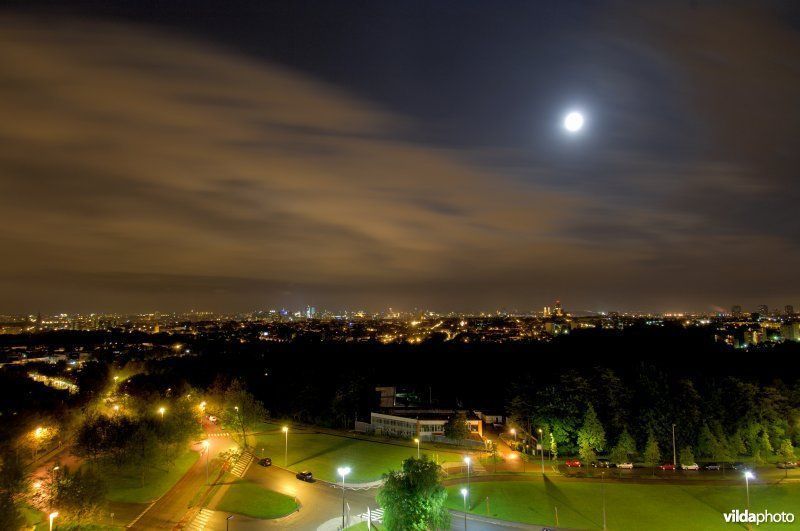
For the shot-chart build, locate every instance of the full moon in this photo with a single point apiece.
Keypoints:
(573, 122)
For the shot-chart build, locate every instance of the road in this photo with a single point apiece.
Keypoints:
(173, 506)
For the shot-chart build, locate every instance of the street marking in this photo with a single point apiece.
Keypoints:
(201, 519)
(242, 464)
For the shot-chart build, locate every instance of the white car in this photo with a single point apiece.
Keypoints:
(693, 466)
(624, 465)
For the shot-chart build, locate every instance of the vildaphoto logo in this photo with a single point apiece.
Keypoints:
(748, 517)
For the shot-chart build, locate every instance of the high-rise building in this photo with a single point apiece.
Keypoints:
(763, 310)
(736, 310)
(790, 331)
(788, 310)
(557, 311)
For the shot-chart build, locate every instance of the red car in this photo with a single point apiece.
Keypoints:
(667, 466)
(573, 463)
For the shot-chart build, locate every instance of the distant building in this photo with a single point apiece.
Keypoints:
(790, 331)
(763, 310)
(753, 337)
(408, 424)
(736, 310)
(788, 310)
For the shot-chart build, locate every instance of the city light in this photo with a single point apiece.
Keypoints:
(161, 410)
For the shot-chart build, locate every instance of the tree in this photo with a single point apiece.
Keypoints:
(456, 427)
(687, 456)
(706, 442)
(553, 447)
(628, 444)
(79, 495)
(10, 515)
(786, 453)
(413, 498)
(652, 454)
(242, 410)
(591, 435)
(13, 484)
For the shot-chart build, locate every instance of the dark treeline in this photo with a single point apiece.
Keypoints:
(645, 378)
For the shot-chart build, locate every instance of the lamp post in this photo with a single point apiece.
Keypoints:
(416, 440)
(161, 410)
(674, 455)
(285, 430)
(343, 471)
(206, 445)
(747, 477)
(541, 443)
(52, 517)
(467, 460)
(464, 494)
(514, 433)
(227, 521)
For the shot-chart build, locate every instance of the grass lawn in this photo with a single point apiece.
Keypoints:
(322, 454)
(248, 499)
(33, 516)
(124, 485)
(628, 506)
(361, 526)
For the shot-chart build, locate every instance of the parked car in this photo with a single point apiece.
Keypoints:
(265, 461)
(693, 466)
(601, 463)
(712, 466)
(212, 418)
(667, 466)
(738, 466)
(573, 463)
(787, 464)
(305, 475)
(625, 465)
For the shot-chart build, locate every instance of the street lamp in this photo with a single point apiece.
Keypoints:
(52, 517)
(514, 433)
(748, 475)
(416, 440)
(343, 471)
(464, 494)
(674, 455)
(161, 410)
(227, 521)
(285, 430)
(467, 460)
(541, 443)
(206, 445)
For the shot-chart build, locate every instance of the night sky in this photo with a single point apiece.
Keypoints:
(235, 156)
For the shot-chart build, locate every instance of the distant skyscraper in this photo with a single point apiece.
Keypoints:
(557, 311)
(763, 309)
(311, 312)
(789, 309)
(736, 310)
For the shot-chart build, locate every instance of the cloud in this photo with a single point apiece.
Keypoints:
(143, 170)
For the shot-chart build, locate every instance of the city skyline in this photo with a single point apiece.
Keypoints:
(398, 156)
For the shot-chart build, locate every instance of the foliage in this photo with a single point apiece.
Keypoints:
(591, 435)
(413, 498)
(786, 452)
(242, 410)
(456, 427)
(652, 454)
(686, 456)
(10, 515)
(79, 495)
